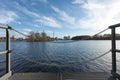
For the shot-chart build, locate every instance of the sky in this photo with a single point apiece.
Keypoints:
(63, 17)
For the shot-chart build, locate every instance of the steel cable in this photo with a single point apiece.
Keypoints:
(19, 32)
(101, 32)
(53, 64)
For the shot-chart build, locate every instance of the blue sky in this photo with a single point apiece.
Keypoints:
(64, 17)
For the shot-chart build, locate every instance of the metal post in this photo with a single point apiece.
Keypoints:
(8, 51)
(115, 76)
(113, 52)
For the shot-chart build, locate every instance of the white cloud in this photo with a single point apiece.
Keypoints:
(48, 21)
(2, 32)
(101, 13)
(27, 30)
(64, 16)
(43, 20)
(28, 12)
(7, 16)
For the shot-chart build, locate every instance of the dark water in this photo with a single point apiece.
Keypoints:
(58, 57)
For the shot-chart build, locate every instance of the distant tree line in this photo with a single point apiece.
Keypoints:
(98, 37)
(36, 37)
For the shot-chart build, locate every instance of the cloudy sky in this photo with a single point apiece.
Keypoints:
(64, 17)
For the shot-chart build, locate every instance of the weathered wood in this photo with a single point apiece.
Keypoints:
(34, 76)
(86, 76)
(57, 76)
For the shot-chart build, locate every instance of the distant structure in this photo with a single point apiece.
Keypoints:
(66, 37)
(53, 35)
(12, 38)
(2, 38)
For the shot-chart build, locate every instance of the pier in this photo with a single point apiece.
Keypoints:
(62, 76)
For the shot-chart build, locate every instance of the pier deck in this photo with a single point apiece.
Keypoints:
(62, 76)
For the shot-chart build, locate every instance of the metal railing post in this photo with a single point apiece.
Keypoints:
(113, 51)
(115, 75)
(8, 50)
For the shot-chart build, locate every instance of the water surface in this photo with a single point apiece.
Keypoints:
(59, 57)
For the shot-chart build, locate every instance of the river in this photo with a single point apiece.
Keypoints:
(59, 57)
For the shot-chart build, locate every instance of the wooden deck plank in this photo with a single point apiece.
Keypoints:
(63, 76)
(34, 76)
(86, 76)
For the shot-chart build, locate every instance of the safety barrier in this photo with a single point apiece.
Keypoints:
(114, 73)
(7, 52)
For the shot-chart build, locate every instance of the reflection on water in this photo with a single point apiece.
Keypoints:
(55, 57)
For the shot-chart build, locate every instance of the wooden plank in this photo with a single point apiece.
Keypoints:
(34, 76)
(63, 76)
(86, 76)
